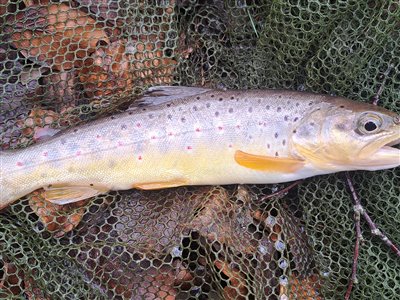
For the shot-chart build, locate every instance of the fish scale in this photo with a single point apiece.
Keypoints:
(188, 136)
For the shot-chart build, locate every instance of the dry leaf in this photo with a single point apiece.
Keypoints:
(59, 219)
(112, 69)
(305, 289)
(237, 287)
(56, 34)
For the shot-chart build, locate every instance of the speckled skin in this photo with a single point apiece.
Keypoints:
(190, 141)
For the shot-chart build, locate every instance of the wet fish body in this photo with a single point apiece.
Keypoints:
(211, 137)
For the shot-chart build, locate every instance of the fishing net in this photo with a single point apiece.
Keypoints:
(67, 62)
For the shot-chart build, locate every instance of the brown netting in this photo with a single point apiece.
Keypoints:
(67, 62)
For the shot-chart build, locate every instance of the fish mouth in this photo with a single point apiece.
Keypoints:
(386, 156)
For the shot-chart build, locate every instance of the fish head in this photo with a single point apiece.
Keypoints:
(343, 135)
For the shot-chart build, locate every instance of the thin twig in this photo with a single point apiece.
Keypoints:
(283, 191)
(377, 232)
(375, 98)
(371, 224)
(357, 210)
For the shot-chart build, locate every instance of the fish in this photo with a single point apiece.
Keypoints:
(180, 136)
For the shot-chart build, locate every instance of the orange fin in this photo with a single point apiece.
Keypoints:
(64, 194)
(159, 185)
(268, 163)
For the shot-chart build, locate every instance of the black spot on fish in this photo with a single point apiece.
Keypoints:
(130, 113)
(268, 107)
(279, 96)
(217, 113)
(276, 135)
(310, 103)
(341, 106)
(297, 104)
(230, 110)
(232, 98)
(183, 119)
(198, 98)
(169, 117)
(123, 126)
(294, 131)
(112, 118)
(286, 118)
(212, 96)
(151, 116)
(195, 108)
(312, 123)
(296, 119)
(250, 109)
(341, 126)
(208, 105)
(284, 142)
(75, 130)
(276, 154)
(91, 184)
(144, 109)
(268, 146)
(220, 99)
(169, 105)
(278, 109)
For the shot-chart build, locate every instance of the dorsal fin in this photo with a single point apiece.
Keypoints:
(163, 94)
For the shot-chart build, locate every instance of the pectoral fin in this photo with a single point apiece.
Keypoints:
(64, 194)
(268, 163)
(159, 185)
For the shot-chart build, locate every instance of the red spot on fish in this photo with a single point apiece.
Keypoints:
(78, 153)
(189, 147)
(153, 137)
(230, 146)
(138, 125)
(45, 153)
(260, 123)
(238, 126)
(198, 129)
(140, 157)
(220, 127)
(98, 136)
(20, 164)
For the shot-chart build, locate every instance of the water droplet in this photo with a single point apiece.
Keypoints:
(283, 280)
(270, 220)
(283, 264)
(176, 252)
(280, 245)
(262, 249)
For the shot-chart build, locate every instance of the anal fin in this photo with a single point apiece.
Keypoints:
(159, 185)
(268, 163)
(64, 194)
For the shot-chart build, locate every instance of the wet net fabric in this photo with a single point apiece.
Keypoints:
(63, 63)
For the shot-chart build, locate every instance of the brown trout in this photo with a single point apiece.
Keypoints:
(197, 136)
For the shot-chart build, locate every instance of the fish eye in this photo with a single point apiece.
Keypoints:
(369, 124)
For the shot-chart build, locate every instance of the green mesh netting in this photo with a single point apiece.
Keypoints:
(66, 62)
